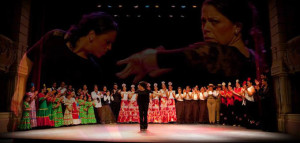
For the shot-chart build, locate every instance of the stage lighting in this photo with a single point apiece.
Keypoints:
(159, 16)
(182, 16)
(156, 6)
(183, 6)
(109, 6)
(173, 6)
(194, 6)
(127, 15)
(138, 16)
(147, 6)
(115, 15)
(99, 5)
(136, 6)
(171, 16)
(120, 6)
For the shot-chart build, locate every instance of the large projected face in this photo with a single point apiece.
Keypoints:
(102, 43)
(216, 27)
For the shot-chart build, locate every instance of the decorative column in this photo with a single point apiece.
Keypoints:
(279, 68)
(20, 36)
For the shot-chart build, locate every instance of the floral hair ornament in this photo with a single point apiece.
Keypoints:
(223, 83)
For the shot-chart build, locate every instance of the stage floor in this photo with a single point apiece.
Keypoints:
(155, 133)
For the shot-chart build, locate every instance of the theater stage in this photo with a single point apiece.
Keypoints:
(155, 133)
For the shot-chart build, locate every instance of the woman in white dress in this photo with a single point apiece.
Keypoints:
(155, 103)
(133, 107)
(164, 103)
(124, 111)
(172, 117)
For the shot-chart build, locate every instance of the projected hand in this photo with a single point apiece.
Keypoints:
(140, 64)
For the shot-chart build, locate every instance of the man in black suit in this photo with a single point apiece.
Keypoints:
(115, 106)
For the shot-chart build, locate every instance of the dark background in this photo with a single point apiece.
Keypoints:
(135, 33)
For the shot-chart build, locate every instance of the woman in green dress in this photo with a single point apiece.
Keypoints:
(25, 121)
(91, 115)
(42, 113)
(57, 111)
(82, 110)
(50, 101)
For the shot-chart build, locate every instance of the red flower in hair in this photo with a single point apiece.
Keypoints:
(244, 83)
(248, 79)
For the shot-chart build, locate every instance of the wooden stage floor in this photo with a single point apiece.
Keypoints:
(155, 133)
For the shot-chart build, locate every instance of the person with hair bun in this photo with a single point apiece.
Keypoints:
(70, 56)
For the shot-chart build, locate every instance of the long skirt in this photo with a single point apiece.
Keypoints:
(43, 117)
(134, 112)
(150, 112)
(32, 115)
(91, 115)
(107, 115)
(180, 111)
(164, 112)
(50, 113)
(124, 112)
(75, 115)
(156, 111)
(172, 117)
(68, 117)
(83, 115)
(25, 121)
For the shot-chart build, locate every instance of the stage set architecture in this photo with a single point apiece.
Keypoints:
(285, 69)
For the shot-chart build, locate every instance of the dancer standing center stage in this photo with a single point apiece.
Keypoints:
(143, 102)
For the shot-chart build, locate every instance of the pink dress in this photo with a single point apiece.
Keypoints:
(32, 112)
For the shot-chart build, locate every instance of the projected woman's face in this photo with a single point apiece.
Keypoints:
(215, 26)
(102, 43)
